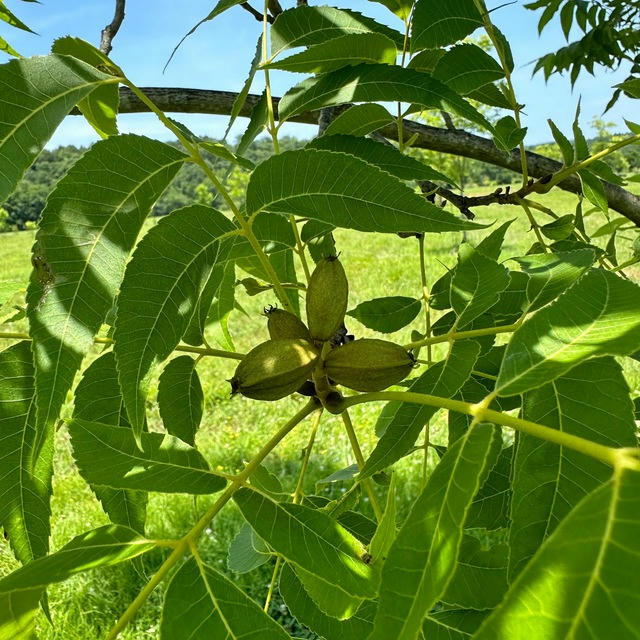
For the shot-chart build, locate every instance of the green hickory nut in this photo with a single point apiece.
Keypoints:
(284, 324)
(275, 369)
(368, 364)
(327, 296)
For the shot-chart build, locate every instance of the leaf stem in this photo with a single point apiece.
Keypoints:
(425, 297)
(534, 224)
(462, 335)
(357, 452)
(183, 545)
(481, 413)
(272, 584)
(203, 351)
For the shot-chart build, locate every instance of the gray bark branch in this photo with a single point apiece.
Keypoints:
(456, 142)
(109, 32)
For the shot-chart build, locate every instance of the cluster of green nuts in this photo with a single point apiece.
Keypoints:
(313, 358)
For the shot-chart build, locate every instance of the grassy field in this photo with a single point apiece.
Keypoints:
(233, 429)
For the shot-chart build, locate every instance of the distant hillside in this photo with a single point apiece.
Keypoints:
(24, 206)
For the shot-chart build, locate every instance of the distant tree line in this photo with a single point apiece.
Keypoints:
(22, 210)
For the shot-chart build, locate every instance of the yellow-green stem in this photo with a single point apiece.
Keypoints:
(407, 26)
(462, 335)
(425, 298)
(609, 455)
(534, 225)
(357, 452)
(183, 545)
(202, 351)
(272, 584)
(300, 248)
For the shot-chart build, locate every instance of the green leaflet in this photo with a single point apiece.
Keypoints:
(466, 68)
(480, 579)
(386, 314)
(343, 191)
(25, 458)
(247, 551)
(386, 532)
(584, 581)
(87, 230)
(452, 624)
(177, 255)
(490, 507)
(98, 399)
(376, 83)
(241, 98)
(551, 273)
(339, 52)
(220, 7)
(423, 557)
(202, 603)
(223, 305)
(310, 539)
(257, 121)
(437, 24)
(382, 155)
(180, 398)
(401, 8)
(598, 315)
(100, 107)
(194, 333)
(305, 610)
(490, 246)
(35, 95)
(306, 26)
(591, 401)
(331, 600)
(476, 284)
(21, 590)
(359, 120)
(165, 464)
(400, 423)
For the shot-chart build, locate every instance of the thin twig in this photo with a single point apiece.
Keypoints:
(110, 31)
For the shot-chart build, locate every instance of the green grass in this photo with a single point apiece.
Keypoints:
(233, 429)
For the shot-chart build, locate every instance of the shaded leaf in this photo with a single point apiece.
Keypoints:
(476, 284)
(166, 464)
(202, 603)
(480, 578)
(98, 399)
(423, 557)
(374, 83)
(584, 581)
(35, 95)
(466, 68)
(305, 26)
(343, 191)
(507, 134)
(177, 255)
(598, 315)
(87, 230)
(180, 398)
(26, 458)
(386, 532)
(452, 624)
(21, 590)
(385, 156)
(305, 610)
(247, 551)
(310, 539)
(386, 314)
(359, 120)
(437, 24)
(591, 401)
(551, 273)
(339, 52)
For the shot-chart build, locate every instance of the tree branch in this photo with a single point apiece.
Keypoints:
(457, 142)
(109, 32)
(255, 13)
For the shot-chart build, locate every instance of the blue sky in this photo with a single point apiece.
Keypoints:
(217, 56)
